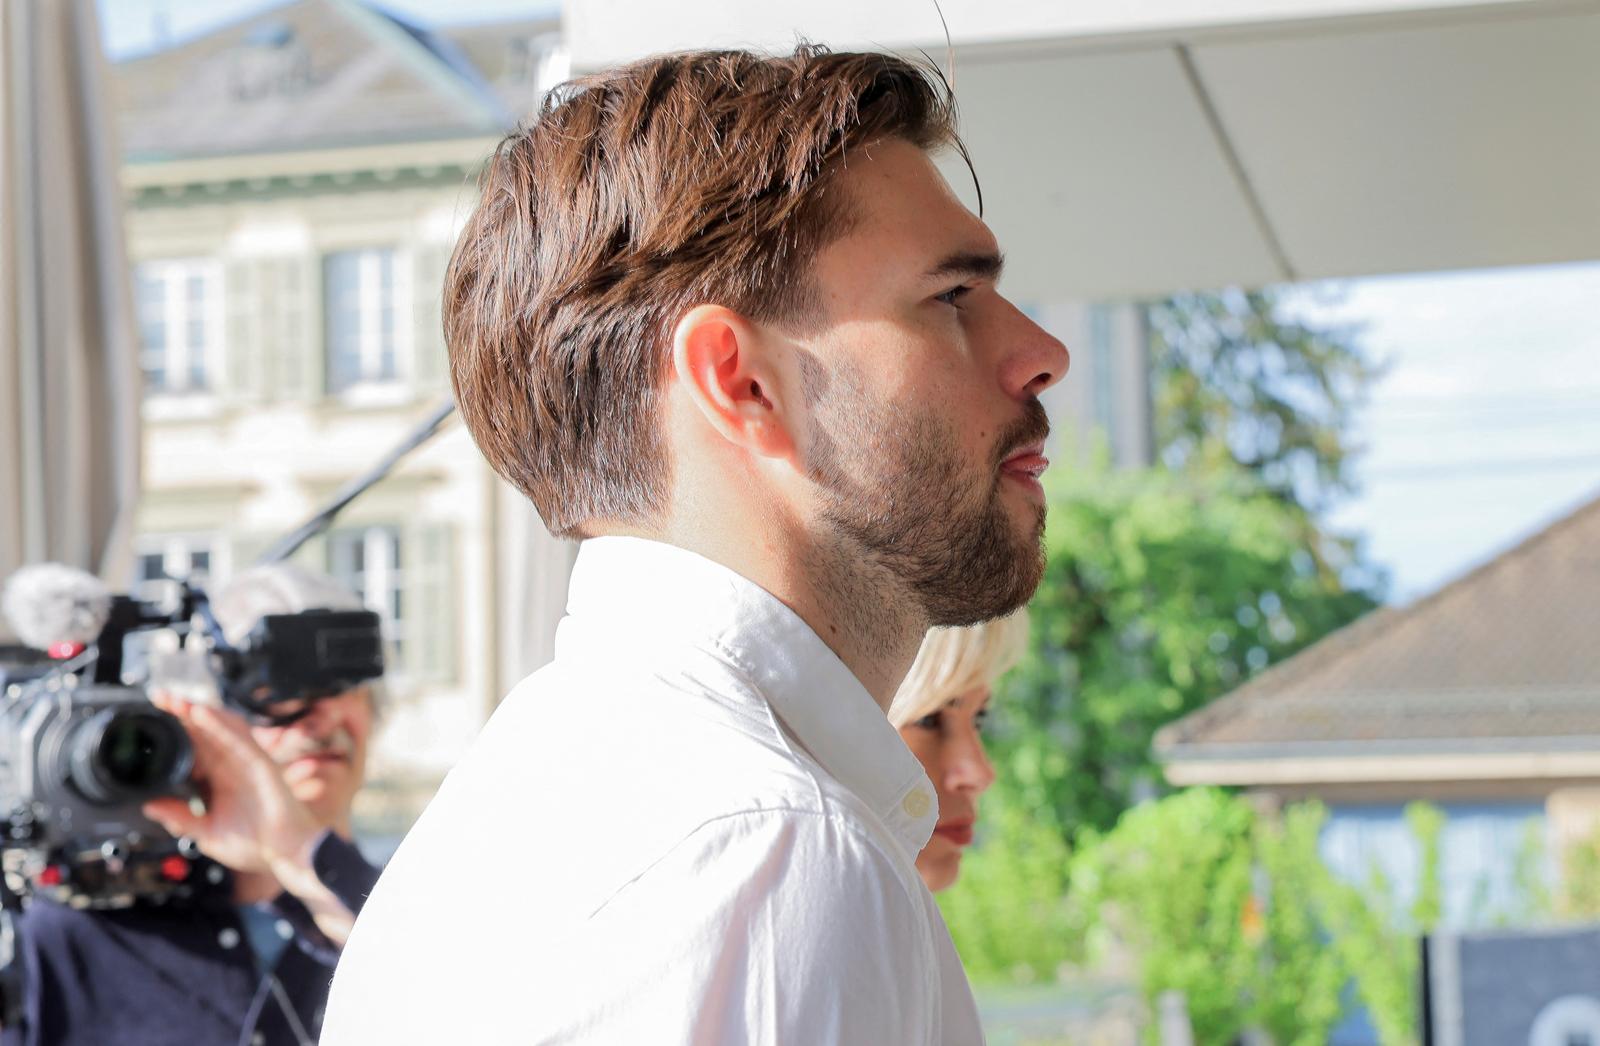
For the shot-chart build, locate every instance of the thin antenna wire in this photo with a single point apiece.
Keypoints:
(948, 78)
(949, 49)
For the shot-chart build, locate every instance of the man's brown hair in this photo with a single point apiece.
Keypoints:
(633, 196)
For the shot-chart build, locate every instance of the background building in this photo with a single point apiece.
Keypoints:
(295, 185)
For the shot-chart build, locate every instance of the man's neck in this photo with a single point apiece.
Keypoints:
(850, 608)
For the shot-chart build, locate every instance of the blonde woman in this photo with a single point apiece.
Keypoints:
(939, 710)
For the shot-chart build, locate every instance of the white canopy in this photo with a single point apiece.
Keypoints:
(1134, 147)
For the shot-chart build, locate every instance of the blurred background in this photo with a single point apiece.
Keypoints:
(1315, 667)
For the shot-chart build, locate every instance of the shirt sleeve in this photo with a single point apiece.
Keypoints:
(342, 869)
(769, 927)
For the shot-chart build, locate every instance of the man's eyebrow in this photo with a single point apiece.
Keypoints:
(985, 265)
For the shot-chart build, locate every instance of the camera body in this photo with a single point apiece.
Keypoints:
(77, 762)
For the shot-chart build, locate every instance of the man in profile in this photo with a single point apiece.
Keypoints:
(720, 315)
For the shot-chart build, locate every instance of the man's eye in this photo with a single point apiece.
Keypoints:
(931, 721)
(952, 296)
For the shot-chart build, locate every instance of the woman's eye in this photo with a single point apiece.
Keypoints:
(952, 296)
(981, 719)
(931, 721)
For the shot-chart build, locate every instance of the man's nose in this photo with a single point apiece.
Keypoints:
(1035, 359)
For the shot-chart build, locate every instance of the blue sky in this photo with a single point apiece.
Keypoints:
(1485, 426)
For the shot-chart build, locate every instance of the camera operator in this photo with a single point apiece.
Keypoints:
(248, 962)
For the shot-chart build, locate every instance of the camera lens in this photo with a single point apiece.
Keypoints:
(123, 754)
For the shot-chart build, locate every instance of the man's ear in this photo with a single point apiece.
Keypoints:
(723, 362)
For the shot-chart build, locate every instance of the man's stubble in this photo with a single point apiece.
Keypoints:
(899, 501)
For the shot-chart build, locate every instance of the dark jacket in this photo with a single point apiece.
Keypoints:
(171, 975)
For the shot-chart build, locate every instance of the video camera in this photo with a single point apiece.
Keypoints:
(82, 748)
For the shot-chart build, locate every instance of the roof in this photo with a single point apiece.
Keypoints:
(510, 56)
(1506, 657)
(323, 73)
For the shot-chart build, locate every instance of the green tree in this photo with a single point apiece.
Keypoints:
(1238, 378)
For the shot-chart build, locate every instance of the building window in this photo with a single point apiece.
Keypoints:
(161, 558)
(365, 301)
(1103, 371)
(369, 563)
(179, 304)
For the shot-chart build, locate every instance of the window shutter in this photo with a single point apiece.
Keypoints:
(244, 349)
(430, 365)
(430, 595)
(295, 340)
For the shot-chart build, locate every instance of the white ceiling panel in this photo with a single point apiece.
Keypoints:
(1422, 148)
(1101, 177)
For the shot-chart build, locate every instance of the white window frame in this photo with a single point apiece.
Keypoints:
(370, 387)
(174, 274)
(380, 579)
(177, 553)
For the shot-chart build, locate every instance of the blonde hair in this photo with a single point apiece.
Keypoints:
(954, 661)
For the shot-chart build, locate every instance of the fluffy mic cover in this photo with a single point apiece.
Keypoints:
(51, 603)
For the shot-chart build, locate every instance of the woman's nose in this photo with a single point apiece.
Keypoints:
(967, 766)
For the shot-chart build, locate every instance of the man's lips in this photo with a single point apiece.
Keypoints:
(1028, 461)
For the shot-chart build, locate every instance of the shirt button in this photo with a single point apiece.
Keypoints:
(916, 804)
(228, 938)
(284, 929)
(258, 1039)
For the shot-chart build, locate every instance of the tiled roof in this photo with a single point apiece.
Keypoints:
(1509, 651)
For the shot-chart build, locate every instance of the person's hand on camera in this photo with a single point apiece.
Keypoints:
(252, 821)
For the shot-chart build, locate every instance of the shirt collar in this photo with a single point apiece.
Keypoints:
(637, 589)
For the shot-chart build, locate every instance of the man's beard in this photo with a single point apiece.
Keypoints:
(906, 504)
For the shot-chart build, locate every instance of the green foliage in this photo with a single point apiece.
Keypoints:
(1300, 1001)
(1174, 881)
(1239, 379)
(1380, 957)
(1008, 910)
(1212, 898)
(1427, 824)
(1160, 594)
(1236, 910)
(1531, 877)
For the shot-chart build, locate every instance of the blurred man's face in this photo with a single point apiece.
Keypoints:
(926, 436)
(324, 754)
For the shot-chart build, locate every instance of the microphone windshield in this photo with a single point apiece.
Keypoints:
(51, 603)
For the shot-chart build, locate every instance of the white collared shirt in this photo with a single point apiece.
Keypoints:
(694, 826)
